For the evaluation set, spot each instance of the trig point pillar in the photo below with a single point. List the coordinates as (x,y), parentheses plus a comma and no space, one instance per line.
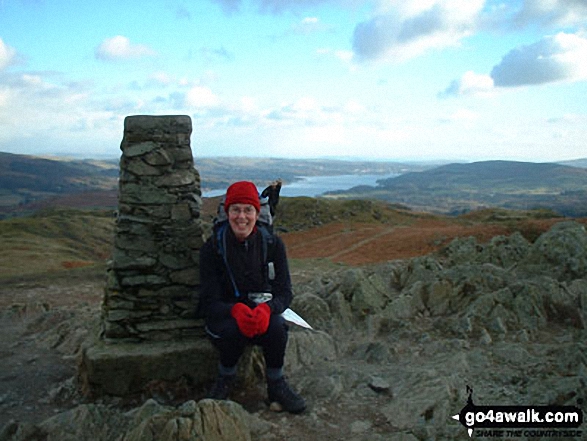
(149,330)
(152,285)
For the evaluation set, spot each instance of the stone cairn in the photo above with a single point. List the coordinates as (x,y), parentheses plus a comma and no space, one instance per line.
(153,278)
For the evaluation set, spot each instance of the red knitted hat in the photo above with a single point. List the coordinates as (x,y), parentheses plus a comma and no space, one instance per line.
(243,192)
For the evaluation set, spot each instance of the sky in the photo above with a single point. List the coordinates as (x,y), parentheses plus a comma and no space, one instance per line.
(392,80)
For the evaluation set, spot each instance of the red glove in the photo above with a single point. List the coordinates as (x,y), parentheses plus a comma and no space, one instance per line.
(245,321)
(262,314)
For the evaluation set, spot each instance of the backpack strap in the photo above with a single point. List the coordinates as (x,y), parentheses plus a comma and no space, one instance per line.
(264,226)
(268,252)
(220,237)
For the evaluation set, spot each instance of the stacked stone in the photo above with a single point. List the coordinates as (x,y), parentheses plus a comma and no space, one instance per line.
(153,279)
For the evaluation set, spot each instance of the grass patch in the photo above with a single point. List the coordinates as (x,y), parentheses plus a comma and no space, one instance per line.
(302,213)
(55,240)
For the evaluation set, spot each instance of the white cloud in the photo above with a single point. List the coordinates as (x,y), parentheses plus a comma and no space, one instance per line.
(307,26)
(162,78)
(248,104)
(7,55)
(346,56)
(407,29)
(562,57)
(470,84)
(305,111)
(354,107)
(213,54)
(272,6)
(305,104)
(201,97)
(4,97)
(552,12)
(326,134)
(466,115)
(569,118)
(52,116)
(120,48)
(341,55)
(310,25)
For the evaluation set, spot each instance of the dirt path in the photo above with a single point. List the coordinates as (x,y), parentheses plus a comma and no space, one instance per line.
(41,328)
(353,248)
(30,374)
(358,244)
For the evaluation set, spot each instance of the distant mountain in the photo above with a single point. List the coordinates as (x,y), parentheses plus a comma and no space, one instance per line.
(457,188)
(28,179)
(54,175)
(576,163)
(28,182)
(506,176)
(219,172)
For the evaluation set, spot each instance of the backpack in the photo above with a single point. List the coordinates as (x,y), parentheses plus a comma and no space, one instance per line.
(264,227)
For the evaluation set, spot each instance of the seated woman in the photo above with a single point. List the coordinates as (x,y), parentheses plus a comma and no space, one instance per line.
(233,273)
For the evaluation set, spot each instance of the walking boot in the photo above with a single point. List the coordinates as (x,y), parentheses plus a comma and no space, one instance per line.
(280,392)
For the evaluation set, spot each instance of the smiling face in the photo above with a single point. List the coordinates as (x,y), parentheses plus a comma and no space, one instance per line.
(242,219)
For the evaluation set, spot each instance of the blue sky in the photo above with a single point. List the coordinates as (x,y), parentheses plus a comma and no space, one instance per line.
(381,79)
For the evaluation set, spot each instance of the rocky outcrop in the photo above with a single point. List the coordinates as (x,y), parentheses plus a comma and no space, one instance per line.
(506,317)
(395,347)
(507,287)
(208,419)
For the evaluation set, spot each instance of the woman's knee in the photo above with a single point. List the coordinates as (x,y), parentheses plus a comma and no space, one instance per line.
(225,329)
(277,332)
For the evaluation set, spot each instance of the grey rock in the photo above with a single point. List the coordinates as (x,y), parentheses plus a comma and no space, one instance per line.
(208,419)
(142,280)
(380,385)
(505,251)
(138,149)
(137,166)
(102,422)
(188,276)
(123,368)
(561,253)
(149,125)
(158,158)
(306,348)
(178,178)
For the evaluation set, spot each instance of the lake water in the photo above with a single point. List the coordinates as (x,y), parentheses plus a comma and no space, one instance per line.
(313,186)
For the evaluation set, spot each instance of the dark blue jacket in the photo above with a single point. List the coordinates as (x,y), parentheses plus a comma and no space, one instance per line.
(245,259)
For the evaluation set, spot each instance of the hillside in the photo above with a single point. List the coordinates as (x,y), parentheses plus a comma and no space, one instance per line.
(320,231)
(29,183)
(458,188)
(52,241)
(54,175)
(27,180)
(576,163)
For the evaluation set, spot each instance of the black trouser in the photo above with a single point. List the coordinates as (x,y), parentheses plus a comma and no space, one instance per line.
(231,342)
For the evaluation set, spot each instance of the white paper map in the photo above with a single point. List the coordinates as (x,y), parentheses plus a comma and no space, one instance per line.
(292,317)
(288,314)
